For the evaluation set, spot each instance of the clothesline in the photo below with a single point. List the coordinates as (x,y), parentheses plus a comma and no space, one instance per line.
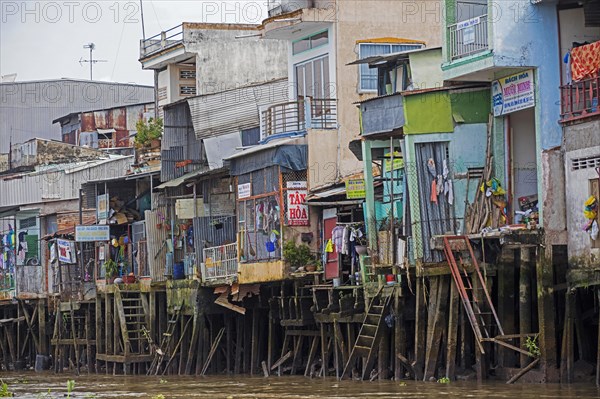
(349,224)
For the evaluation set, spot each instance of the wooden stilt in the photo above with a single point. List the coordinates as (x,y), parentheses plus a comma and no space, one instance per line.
(238,344)
(452,333)
(438,302)
(525,298)
(420,329)
(254,348)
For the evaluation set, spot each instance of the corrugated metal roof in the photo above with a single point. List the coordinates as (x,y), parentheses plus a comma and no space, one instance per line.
(58,182)
(237,109)
(28,109)
(272,144)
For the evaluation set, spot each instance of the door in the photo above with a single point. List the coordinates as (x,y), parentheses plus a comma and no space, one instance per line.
(332,269)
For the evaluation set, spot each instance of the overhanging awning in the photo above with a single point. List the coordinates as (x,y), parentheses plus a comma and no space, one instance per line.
(327,197)
(190,176)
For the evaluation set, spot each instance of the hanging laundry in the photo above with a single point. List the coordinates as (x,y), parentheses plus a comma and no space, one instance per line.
(345,239)
(329,246)
(449,191)
(445,170)
(433,196)
(431,167)
(439,184)
(337,235)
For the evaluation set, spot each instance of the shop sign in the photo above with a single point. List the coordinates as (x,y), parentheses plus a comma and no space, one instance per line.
(92,233)
(66,251)
(513,93)
(398,161)
(244,190)
(297,210)
(355,189)
(102,210)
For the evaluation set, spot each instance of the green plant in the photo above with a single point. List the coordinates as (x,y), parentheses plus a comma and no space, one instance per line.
(70,387)
(110,268)
(4,392)
(148,131)
(444,380)
(297,255)
(532,346)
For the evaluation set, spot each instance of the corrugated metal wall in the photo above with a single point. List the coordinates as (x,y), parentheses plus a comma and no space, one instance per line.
(27,109)
(436,218)
(179,143)
(212,232)
(237,109)
(155,241)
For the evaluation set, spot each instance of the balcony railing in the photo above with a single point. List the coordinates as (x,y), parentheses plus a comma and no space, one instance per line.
(580,99)
(293,116)
(161,41)
(468,37)
(220,263)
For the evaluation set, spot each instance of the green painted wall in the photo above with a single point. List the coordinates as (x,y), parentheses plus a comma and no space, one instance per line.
(471,106)
(428,113)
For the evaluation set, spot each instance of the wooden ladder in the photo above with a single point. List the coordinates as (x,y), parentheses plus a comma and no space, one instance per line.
(475,296)
(163,349)
(132,314)
(368,338)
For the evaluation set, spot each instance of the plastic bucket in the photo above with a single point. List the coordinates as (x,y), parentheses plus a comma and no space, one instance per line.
(390,279)
(41,363)
(178,271)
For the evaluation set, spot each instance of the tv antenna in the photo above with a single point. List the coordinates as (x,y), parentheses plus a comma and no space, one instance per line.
(92,61)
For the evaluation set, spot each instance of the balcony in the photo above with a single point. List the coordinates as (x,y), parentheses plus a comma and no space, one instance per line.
(162,41)
(220,264)
(579,99)
(297,116)
(468,37)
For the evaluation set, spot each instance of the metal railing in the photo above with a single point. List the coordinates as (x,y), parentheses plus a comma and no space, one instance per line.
(468,37)
(220,263)
(291,116)
(580,99)
(162,40)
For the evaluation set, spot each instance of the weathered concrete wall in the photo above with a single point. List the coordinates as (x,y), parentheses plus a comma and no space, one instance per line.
(47,152)
(581,141)
(224,62)
(360,20)
(262,272)
(555,216)
(322,155)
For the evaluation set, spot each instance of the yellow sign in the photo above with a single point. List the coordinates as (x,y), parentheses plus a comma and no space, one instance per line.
(398,161)
(355,189)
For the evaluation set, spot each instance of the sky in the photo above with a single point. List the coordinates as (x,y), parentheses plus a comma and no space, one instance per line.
(44,39)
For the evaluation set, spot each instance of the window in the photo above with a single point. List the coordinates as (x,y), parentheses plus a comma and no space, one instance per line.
(368,76)
(312,79)
(187,74)
(187,90)
(28,223)
(310,42)
(250,136)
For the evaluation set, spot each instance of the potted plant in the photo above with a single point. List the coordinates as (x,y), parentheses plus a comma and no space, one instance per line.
(361,245)
(297,255)
(110,270)
(148,133)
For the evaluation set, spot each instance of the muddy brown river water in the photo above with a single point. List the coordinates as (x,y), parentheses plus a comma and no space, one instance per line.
(31,385)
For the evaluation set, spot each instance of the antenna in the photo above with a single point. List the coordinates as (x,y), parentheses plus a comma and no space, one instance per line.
(92,61)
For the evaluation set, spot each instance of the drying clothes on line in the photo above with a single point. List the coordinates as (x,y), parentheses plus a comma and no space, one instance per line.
(354,234)
(440,185)
(585,61)
(337,236)
(431,167)
(345,239)
(445,170)
(433,196)
(449,191)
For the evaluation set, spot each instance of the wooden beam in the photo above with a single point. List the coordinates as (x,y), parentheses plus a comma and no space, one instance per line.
(282,360)
(523,371)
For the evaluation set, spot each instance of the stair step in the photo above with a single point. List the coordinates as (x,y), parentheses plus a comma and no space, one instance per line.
(133,307)
(362,350)
(134,314)
(369,329)
(365,341)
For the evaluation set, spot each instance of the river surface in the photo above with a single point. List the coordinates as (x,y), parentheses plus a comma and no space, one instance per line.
(31,385)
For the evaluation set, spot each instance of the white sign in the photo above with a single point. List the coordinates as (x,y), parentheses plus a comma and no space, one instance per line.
(467,24)
(244,190)
(468,30)
(66,251)
(296,184)
(297,210)
(92,233)
(513,93)
(102,203)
